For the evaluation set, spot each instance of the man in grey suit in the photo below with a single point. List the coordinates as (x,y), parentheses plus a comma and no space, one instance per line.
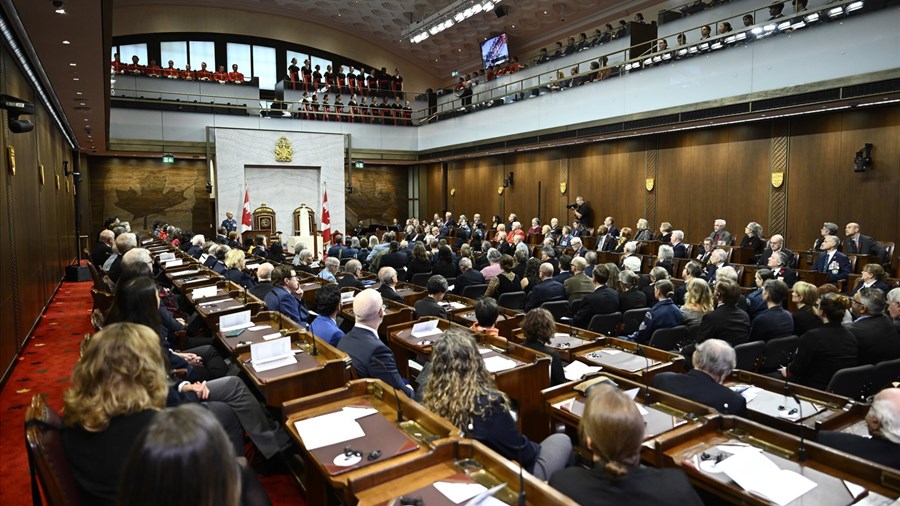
(371,358)
(720,236)
(579,285)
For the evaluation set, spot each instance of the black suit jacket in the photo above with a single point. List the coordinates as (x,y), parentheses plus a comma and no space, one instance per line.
(603,300)
(429,307)
(878,450)
(372,358)
(397,260)
(700,387)
(642,485)
(725,322)
(788,275)
(101,252)
(867,246)
(390,293)
(771,323)
(349,280)
(764,258)
(468,278)
(821,353)
(876,339)
(606,243)
(680,250)
(805,320)
(633,299)
(545,291)
(881,285)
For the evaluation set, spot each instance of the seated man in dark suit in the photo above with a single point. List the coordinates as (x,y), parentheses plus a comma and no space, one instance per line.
(395,257)
(778,263)
(691,270)
(605,240)
(859,244)
(565,269)
(124,242)
(264,286)
(388,290)
(196,248)
(726,321)
(430,305)
(371,358)
(776,243)
(831,261)
(603,300)
(219,260)
(679,248)
(352,269)
(717,259)
(467,276)
(883,421)
(713,361)
(774,321)
(286,296)
(876,338)
(547,290)
(103,248)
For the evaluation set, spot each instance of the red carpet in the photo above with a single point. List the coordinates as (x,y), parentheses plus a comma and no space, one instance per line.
(44,368)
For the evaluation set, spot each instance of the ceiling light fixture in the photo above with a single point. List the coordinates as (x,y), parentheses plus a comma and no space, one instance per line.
(457,12)
(65,42)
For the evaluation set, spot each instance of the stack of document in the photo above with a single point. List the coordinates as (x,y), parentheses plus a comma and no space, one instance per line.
(333,428)
(758,475)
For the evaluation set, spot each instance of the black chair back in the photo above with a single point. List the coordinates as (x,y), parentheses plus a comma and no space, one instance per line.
(474,291)
(886,374)
(779,352)
(852,381)
(749,355)
(632,319)
(668,339)
(512,300)
(420,279)
(558,308)
(606,324)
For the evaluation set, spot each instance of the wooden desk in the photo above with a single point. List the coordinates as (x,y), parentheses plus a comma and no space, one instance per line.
(309,284)
(826,408)
(411,293)
(522,383)
(394,314)
(507,322)
(275,321)
(464,460)
(665,412)
(210,311)
(328,369)
(423,428)
(825,466)
(567,340)
(187,282)
(632,365)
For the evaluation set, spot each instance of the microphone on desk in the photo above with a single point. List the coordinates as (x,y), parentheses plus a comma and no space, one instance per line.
(396,395)
(801,452)
(640,351)
(314,350)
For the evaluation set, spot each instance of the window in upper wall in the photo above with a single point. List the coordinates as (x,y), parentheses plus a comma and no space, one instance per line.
(238,54)
(126,51)
(175,51)
(202,51)
(264,67)
(293,54)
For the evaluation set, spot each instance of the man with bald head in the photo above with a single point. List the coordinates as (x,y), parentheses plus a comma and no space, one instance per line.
(547,290)
(776,243)
(371,358)
(264,273)
(883,422)
(859,244)
(103,248)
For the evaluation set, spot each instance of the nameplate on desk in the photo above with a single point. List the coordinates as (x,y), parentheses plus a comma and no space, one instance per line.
(188,272)
(425,329)
(268,355)
(235,321)
(332,428)
(167,257)
(206,291)
(174,263)
(346,297)
(259,327)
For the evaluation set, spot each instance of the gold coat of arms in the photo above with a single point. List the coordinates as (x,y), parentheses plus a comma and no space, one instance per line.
(562,187)
(649,183)
(284,151)
(777,179)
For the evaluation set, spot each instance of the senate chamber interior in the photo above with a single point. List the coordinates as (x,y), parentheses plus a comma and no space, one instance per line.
(450,252)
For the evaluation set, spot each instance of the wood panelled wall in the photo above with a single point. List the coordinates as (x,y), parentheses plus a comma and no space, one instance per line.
(144,190)
(379,195)
(699,176)
(36,217)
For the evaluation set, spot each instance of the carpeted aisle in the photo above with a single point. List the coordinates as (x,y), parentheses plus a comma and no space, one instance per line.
(44,368)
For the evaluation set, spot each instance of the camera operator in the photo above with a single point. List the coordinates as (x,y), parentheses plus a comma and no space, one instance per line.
(582,211)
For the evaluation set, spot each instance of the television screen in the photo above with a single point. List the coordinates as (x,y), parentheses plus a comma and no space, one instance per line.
(494,51)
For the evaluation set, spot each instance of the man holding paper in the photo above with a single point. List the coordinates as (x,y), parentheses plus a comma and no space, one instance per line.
(286,296)
(371,357)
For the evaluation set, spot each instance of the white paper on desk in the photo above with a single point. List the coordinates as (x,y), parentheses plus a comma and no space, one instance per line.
(855,490)
(329,429)
(357,412)
(205,291)
(576,370)
(610,351)
(456,305)
(346,297)
(181,274)
(757,474)
(458,492)
(268,355)
(174,263)
(749,393)
(269,337)
(498,363)
(425,329)
(451,288)
(203,258)
(235,321)
(165,257)
(484,351)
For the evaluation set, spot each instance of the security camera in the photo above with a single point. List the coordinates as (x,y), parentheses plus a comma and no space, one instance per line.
(17,107)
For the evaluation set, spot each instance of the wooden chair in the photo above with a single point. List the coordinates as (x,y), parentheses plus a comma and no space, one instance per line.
(851,381)
(606,324)
(51,475)
(103,300)
(749,355)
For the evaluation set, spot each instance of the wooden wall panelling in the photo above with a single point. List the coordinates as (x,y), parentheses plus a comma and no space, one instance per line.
(475,182)
(536,178)
(609,176)
(747,161)
(143,190)
(48,201)
(432,197)
(380,194)
(8,313)
(678,179)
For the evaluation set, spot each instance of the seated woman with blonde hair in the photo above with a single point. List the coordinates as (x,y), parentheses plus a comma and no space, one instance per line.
(613,429)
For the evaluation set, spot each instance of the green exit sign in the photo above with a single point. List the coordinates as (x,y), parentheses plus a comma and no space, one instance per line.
(168,158)
(358,165)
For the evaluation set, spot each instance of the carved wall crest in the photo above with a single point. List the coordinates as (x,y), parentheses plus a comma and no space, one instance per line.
(284,151)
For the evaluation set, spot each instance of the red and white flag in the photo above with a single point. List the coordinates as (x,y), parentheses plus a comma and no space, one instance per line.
(246,216)
(326,224)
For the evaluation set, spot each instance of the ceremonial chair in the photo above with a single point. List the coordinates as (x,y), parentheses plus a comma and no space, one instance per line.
(51,476)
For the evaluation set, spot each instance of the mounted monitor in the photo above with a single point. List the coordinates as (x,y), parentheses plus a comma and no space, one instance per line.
(494,51)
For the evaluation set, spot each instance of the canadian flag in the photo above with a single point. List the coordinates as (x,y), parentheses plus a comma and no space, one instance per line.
(246,220)
(326,224)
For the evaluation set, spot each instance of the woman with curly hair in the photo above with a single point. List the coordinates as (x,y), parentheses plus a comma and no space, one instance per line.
(460,389)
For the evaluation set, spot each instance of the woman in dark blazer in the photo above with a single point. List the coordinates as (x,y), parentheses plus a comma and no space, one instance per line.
(805,296)
(825,350)
(613,430)
(752,238)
